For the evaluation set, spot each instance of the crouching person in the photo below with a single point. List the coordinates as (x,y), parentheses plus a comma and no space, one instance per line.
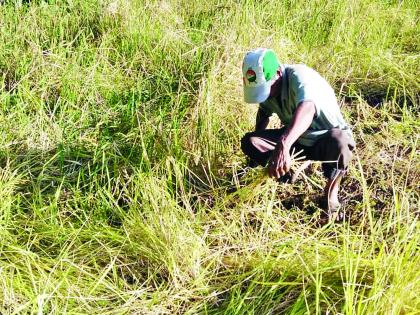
(308,109)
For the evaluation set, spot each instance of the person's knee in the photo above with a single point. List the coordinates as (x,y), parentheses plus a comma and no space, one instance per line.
(344,145)
(246,143)
(341,139)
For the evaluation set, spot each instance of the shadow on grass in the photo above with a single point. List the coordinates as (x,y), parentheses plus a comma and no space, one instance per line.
(376,94)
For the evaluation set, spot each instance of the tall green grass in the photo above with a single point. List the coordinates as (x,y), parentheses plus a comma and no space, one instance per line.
(120,124)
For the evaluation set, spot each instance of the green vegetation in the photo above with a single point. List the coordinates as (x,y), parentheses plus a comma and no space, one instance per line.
(120,125)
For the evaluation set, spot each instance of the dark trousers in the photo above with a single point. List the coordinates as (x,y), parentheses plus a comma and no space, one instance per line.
(336,145)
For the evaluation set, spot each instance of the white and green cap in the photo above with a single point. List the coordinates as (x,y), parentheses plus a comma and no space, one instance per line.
(259,71)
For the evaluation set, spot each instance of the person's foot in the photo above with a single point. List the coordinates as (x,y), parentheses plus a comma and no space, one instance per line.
(330,211)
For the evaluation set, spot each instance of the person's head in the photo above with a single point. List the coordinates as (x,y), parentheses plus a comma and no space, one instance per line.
(260,70)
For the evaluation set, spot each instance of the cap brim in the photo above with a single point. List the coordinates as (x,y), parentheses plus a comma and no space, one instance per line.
(257,94)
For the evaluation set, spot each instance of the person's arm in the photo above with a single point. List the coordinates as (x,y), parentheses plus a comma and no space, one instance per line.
(280,161)
(262,120)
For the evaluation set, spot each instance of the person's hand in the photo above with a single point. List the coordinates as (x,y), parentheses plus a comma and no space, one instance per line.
(280,161)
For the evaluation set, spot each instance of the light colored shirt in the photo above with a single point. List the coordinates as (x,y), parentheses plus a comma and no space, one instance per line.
(300,83)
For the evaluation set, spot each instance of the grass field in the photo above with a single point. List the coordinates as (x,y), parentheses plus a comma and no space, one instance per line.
(120,125)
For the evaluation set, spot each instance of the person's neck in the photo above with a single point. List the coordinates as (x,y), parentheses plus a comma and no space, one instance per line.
(276,87)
